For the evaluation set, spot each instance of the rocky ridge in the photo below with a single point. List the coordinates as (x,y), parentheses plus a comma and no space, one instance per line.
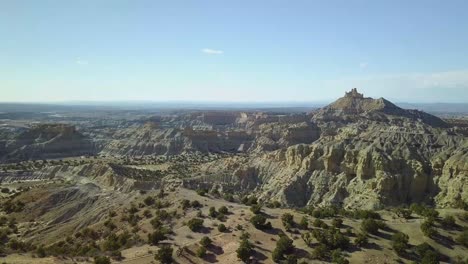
(370,154)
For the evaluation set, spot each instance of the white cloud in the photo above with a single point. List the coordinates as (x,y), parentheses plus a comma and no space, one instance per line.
(81,61)
(363,65)
(212,51)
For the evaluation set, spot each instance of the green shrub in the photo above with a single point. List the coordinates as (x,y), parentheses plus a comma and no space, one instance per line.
(185,204)
(195,224)
(101,260)
(245,250)
(284,246)
(288,220)
(400,242)
(259,222)
(319,223)
(196,204)
(370,225)
(222,228)
(337,222)
(40,252)
(427,229)
(201,252)
(205,241)
(462,238)
(157,236)
(361,240)
(304,223)
(228,197)
(320,252)
(365,214)
(256,208)
(427,254)
(212,212)
(249,200)
(448,221)
(149,200)
(223,210)
(337,257)
(202,192)
(164,254)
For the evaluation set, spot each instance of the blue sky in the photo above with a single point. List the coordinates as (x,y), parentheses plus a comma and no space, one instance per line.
(407,51)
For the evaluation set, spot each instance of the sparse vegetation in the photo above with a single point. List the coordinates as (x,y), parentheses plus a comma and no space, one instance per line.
(288,220)
(222,228)
(256,208)
(245,249)
(260,222)
(205,241)
(462,238)
(284,246)
(201,252)
(400,242)
(195,224)
(164,254)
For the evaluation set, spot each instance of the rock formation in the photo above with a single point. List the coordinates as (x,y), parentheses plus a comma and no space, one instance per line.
(370,154)
(47,141)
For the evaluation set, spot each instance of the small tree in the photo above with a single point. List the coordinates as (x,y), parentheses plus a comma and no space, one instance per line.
(304,223)
(223,210)
(212,212)
(337,257)
(361,240)
(101,260)
(288,220)
(256,208)
(185,204)
(201,252)
(202,192)
(164,254)
(427,254)
(284,246)
(448,221)
(157,236)
(400,242)
(319,223)
(205,241)
(195,224)
(149,201)
(462,238)
(222,228)
(427,229)
(370,226)
(337,222)
(245,250)
(320,252)
(259,221)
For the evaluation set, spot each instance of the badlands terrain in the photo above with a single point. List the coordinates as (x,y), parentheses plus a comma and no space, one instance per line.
(360,180)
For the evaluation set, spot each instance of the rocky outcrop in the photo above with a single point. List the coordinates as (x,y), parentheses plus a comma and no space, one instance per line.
(354,106)
(370,154)
(48,141)
(207,132)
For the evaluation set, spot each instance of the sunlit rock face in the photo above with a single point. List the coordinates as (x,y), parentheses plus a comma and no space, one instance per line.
(368,153)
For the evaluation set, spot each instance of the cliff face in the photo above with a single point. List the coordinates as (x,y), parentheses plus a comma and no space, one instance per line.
(213,132)
(370,154)
(48,141)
